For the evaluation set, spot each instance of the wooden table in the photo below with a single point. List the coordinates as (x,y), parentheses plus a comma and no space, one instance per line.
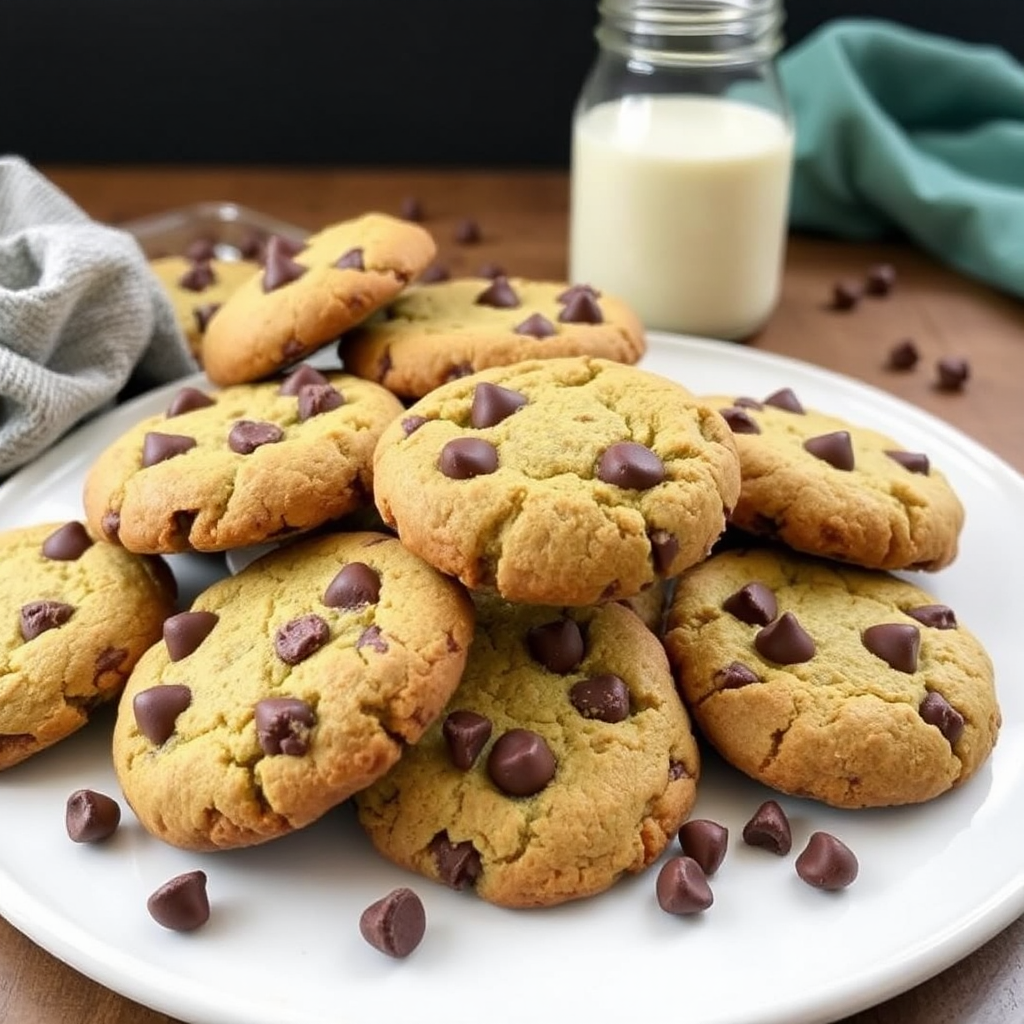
(523,217)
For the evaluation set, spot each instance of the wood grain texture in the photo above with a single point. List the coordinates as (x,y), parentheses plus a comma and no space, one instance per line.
(523,217)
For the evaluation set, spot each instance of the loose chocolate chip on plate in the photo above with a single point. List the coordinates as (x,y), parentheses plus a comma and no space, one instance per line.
(682,887)
(158,447)
(279,267)
(466,733)
(91,817)
(937,711)
(769,829)
(903,355)
(631,466)
(835,448)
(915,462)
(846,294)
(188,400)
(316,399)
(157,709)
(785,641)
(735,675)
(880,279)
(299,378)
(753,604)
(664,548)
(184,632)
(706,842)
(411,209)
(952,374)
(283,725)
(434,273)
(198,277)
(182,903)
(41,616)
(827,863)
(355,586)
(785,398)
(557,645)
(351,260)
(297,640)
(466,457)
(521,762)
(740,421)
(536,325)
(67,543)
(493,403)
(896,643)
(937,616)
(467,232)
(581,308)
(396,924)
(499,294)
(458,864)
(248,435)
(604,697)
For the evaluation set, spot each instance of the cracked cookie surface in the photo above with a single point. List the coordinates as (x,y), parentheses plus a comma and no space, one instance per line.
(304,299)
(286,688)
(257,463)
(76,616)
(849,686)
(437,332)
(560,481)
(565,759)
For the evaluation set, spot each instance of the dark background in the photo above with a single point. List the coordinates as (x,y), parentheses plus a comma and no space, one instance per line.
(410,82)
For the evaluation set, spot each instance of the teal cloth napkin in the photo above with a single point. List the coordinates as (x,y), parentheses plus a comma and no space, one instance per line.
(902,130)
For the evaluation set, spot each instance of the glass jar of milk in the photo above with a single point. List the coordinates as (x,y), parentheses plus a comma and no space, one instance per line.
(681,158)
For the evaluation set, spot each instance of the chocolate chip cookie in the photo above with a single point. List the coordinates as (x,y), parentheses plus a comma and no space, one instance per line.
(564,760)
(240,466)
(558,481)
(286,688)
(829,488)
(435,333)
(827,681)
(307,295)
(76,616)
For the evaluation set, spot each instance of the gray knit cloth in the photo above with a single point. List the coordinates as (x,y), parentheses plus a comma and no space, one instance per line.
(80,312)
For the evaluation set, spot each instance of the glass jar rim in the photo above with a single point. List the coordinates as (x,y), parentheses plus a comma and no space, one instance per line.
(686,17)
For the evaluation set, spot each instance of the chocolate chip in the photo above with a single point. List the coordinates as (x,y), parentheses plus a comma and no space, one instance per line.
(467,232)
(297,640)
(937,711)
(351,260)
(846,294)
(466,457)
(492,404)
(200,249)
(677,770)
(896,643)
(316,399)
(521,762)
(181,904)
(371,637)
(903,355)
(744,402)
(785,398)
(536,325)
(557,645)
(156,710)
(735,675)
(664,549)
(769,829)
(573,290)
(937,616)
(458,864)
(41,616)
(785,641)
(395,924)
(835,448)
(279,267)
(682,887)
(753,604)
(410,424)
(91,817)
(283,725)
(581,308)
(827,863)
(706,842)
(157,447)
(355,586)
(250,245)
(604,697)
(466,734)
(880,279)
(952,374)
(187,400)
(198,277)
(434,273)
(248,435)
(916,462)
(184,632)
(499,294)
(411,209)
(491,271)
(111,525)
(67,543)
(740,421)
(202,315)
(630,466)
(299,378)
(459,370)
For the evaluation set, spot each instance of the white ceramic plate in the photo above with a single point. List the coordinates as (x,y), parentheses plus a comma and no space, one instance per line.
(283,943)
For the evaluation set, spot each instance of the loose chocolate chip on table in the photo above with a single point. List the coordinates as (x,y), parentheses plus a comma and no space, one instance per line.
(299,378)
(835,448)
(952,374)
(182,903)
(915,462)
(434,273)
(411,209)
(577,289)
(458,864)
(846,294)
(903,355)
(187,400)
(880,279)
(467,232)
(316,399)
(202,315)
(184,632)
(410,424)
(937,616)
(581,308)
(493,403)
(91,817)
(682,887)
(41,616)
(355,586)
(283,725)
(735,675)
(279,267)
(67,543)
(706,842)
(198,277)
(395,924)
(896,643)
(785,641)
(631,466)
(466,457)
(248,435)
(466,733)
(604,697)
(521,762)
(785,398)
(157,709)
(158,447)
(351,260)
(769,829)
(499,294)
(753,604)
(740,421)
(664,548)
(937,711)
(536,325)
(557,645)
(297,640)
(827,863)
